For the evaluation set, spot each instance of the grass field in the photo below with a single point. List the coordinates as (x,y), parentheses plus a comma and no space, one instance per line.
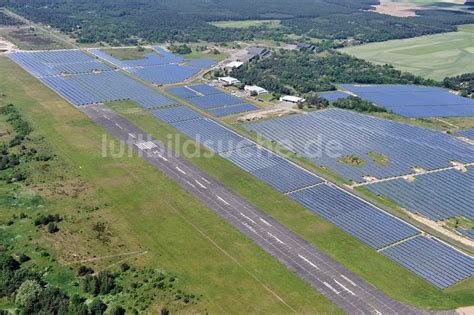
(247,24)
(128,53)
(378,270)
(144,211)
(432,56)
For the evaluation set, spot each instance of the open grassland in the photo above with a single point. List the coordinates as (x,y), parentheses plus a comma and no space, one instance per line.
(372,266)
(129,53)
(433,56)
(247,23)
(143,211)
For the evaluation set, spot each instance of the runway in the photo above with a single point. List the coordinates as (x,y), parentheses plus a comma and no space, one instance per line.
(351,293)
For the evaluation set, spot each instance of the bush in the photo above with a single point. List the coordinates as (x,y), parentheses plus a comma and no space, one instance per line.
(52,227)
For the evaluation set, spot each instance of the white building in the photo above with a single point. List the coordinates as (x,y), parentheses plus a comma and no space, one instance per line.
(226,81)
(292,99)
(233,65)
(255,89)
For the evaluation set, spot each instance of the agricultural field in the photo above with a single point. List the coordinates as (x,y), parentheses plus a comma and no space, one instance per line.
(179,235)
(30,39)
(247,24)
(433,56)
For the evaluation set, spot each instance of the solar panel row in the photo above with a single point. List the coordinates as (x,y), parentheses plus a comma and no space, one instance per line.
(232,110)
(438,196)
(468,233)
(415,101)
(334,96)
(432,260)
(468,133)
(57,62)
(386,148)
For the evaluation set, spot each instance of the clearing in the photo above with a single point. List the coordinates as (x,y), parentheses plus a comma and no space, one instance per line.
(433,56)
(247,24)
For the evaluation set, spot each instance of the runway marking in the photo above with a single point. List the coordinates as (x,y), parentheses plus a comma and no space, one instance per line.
(249,227)
(348,280)
(218,197)
(95,109)
(180,170)
(248,218)
(200,185)
(190,184)
(276,238)
(205,180)
(118,126)
(308,261)
(133,136)
(265,222)
(341,285)
(330,287)
(376,310)
(162,157)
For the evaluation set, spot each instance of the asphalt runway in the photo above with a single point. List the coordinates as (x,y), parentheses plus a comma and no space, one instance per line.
(351,293)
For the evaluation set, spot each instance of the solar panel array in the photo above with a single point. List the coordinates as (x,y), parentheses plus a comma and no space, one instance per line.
(176,114)
(263,164)
(359,218)
(334,96)
(326,136)
(83,84)
(165,74)
(57,62)
(432,260)
(438,196)
(272,169)
(212,99)
(468,233)
(468,133)
(165,68)
(415,101)
(232,110)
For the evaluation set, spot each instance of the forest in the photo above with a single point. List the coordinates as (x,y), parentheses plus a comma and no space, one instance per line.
(126,22)
(286,72)
(366,27)
(8,20)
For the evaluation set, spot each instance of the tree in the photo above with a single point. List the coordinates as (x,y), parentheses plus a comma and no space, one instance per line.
(97,307)
(52,227)
(28,291)
(117,310)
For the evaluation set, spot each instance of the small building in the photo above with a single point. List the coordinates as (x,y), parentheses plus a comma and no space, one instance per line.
(233,65)
(227,81)
(306,47)
(254,52)
(292,99)
(255,89)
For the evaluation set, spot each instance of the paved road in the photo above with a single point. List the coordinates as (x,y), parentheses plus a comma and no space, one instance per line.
(344,288)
